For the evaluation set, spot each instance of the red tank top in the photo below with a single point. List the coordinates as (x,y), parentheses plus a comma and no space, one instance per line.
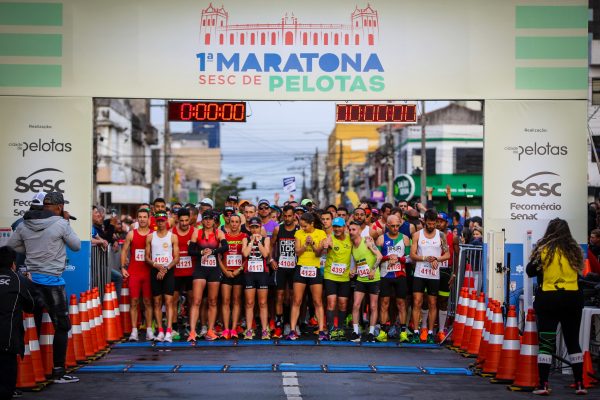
(209,241)
(232,258)
(185,266)
(137,260)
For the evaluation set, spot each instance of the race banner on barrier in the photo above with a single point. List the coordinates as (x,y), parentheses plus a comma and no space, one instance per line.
(46,145)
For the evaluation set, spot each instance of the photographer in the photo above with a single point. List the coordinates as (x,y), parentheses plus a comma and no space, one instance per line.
(43,237)
(14,299)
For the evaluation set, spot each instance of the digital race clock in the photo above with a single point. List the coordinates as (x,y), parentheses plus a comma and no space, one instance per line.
(376,113)
(213,111)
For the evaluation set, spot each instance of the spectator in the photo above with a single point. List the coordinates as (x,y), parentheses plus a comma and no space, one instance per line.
(594,251)
(43,237)
(14,299)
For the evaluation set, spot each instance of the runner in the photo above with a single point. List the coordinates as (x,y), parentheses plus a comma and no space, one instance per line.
(360,217)
(227,213)
(256,249)
(138,273)
(308,250)
(158,205)
(162,253)
(394,247)
(283,254)
(367,258)
(185,267)
(428,250)
(378,228)
(447,275)
(342,212)
(206,244)
(337,277)
(264,212)
(231,263)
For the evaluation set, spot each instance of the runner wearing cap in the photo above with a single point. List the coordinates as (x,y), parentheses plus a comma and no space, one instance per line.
(256,249)
(283,255)
(185,267)
(158,205)
(205,204)
(366,259)
(395,248)
(250,212)
(162,253)
(232,267)
(308,249)
(447,275)
(428,250)
(337,277)
(308,204)
(264,212)
(138,273)
(228,212)
(206,244)
(231,201)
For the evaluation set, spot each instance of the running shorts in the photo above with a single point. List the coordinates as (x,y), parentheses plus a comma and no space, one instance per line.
(183,284)
(318,280)
(164,286)
(139,284)
(445,274)
(284,277)
(209,274)
(367,287)
(257,280)
(395,286)
(335,288)
(432,286)
(237,280)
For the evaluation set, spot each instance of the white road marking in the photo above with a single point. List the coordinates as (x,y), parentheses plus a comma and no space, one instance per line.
(291,386)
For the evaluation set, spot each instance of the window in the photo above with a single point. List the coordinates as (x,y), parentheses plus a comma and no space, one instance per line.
(430,153)
(468,160)
(305,38)
(263,38)
(289,38)
(273,38)
(356,40)
(346,39)
(242,37)
(203,22)
(371,39)
(336,39)
(597,146)
(207,38)
(221,39)
(315,38)
(252,38)
(231,38)
(596,91)
(326,39)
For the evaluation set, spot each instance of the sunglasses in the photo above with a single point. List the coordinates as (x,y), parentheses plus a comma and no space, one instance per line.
(264,208)
(394,226)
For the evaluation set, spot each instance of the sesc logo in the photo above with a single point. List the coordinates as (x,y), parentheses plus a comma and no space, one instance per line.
(38,181)
(538,184)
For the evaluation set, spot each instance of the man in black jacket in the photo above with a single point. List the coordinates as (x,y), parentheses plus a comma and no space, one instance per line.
(14,299)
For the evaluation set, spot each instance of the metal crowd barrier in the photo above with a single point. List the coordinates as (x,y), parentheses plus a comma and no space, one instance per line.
(100,269)
(472,255)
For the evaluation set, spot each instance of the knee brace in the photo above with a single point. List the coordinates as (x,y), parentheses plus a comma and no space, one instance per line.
(547,347)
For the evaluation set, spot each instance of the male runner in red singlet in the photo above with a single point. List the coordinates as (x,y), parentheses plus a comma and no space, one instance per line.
(185,267)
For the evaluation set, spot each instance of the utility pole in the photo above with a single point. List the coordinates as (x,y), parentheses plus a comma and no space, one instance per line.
(167,157)
(390,163)
(423,156)
(341,167)
(315,176)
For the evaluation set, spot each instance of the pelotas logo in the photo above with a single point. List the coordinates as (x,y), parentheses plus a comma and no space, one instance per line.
(321,57)
(43,146)
(538,149)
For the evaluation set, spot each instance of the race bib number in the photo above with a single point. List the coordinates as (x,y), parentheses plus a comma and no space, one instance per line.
(338,268)
(287,262)
(443,264)
(394,267)
(163,259)
(184,262)
(234,260)
(140,254)
(308,272)
(208,261)
(323,260)
(425,270)
(363,270)
(256,266)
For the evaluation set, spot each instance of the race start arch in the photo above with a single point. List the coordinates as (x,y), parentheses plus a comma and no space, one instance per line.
(526,59)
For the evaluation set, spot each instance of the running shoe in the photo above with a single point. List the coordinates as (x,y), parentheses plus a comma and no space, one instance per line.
(169,337)
(265,335)
(369,338)
(393,332)
(226,334)
(415,339)
(150,334)
(203,331)
(580,389)
(286,329)
(382,337)
(192,337)
(403,337)
(239,330)
(249,335)
(218,329)
(430,339)
(333,335)
(312,322)
(234,334)
(176,335)
(211,335)
(348,321)
(341,335)
(354,337)
(293,335)
(441,336)
(323,336)
(134,335)
(271,324)
(542,390)
(161,336)
(59,376)
(277,333)
(423,335)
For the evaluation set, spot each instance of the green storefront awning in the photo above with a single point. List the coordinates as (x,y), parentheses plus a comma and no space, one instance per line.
(474,185)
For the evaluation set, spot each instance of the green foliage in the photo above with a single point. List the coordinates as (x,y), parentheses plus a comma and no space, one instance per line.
(220,191)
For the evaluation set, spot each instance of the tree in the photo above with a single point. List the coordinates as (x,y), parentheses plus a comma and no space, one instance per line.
(221,190)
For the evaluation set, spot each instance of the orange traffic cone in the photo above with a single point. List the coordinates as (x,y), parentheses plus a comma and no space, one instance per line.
(477,329)
(76,329)
(461,317)
(115,300)
(469,323)
(31,337)
(88,343)
(94,322)
(485,337)
(25,374)
(124,308)
(494,346)
(511,347)
(99,319)
(469,279)
(70,360)
(526,375)
(47,343)
(588,369)
(108,315)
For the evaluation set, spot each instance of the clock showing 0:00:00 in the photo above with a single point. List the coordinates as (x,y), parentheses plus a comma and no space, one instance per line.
(207,111)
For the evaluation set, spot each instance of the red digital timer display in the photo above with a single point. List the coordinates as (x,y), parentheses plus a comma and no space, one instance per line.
(376,113)
(207,111)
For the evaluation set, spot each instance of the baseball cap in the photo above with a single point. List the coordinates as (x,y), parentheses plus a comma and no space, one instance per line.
(306,202)
(38,199)
(232,197)
(442,215)
(54,198)
(338,221)
(228,209)
(161,216)
(207,202)
(375,211)
(264,201)
(299,208)
(254,221)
